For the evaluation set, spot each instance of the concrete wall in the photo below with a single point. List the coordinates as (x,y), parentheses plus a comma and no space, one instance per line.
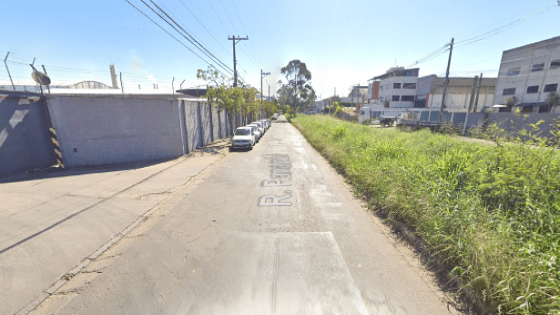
(512,123)
(97,130)
(25,141)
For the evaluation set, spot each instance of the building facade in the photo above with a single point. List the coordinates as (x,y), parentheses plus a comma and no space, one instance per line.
(373,91)
(529,75)
(397,87)
(429,93)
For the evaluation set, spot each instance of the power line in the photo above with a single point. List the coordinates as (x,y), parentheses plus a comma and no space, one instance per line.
(229,18)
(503,28)
(243,26)
(189,37)
(168,33)
(219,43)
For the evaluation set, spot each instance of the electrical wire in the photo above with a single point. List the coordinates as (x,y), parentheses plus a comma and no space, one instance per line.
(168,33)
(189,37)
(186,7)
(503,28)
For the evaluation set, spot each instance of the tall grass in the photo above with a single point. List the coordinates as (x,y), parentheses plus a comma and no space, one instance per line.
(489,215)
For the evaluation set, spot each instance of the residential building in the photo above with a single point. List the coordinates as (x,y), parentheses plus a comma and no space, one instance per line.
(397,87)
(528,75)
(429,93)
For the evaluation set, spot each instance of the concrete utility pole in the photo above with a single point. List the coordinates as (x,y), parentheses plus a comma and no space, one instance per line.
(477,92)
(446,82)
(235,41)
(113,76)
(262,75)
(473,92)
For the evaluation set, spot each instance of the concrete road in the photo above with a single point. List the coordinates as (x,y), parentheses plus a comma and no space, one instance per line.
(269,231)
(53,223)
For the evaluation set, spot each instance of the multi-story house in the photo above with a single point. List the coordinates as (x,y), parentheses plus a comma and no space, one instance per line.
(397,87)
(529,75)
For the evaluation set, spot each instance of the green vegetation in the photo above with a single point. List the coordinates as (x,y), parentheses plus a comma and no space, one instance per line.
(488,215)
(234,100)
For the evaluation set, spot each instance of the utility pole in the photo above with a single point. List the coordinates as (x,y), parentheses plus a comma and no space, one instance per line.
(235,41)
(477,92)
(473,92)
(446,82)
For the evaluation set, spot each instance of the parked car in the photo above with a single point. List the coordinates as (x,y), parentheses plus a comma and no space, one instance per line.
(275,116)
(256,130)
(244,137)
(261,126)
(265,124)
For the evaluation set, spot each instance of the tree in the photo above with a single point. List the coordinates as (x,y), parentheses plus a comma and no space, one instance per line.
(219,94)
(553,100)
(249,106)
(297,89)
(386,104)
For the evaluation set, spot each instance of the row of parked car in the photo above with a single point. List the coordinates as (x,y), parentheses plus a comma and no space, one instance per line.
(246,137)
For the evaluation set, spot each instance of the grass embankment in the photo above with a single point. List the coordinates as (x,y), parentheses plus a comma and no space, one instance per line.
(489,216)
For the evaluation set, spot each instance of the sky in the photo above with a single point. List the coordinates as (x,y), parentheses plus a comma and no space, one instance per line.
(343,43)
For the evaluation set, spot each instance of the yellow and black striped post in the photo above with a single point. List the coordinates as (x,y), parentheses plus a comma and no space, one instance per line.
(56,147)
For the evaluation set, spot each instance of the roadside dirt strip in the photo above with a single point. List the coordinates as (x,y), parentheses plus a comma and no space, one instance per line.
(274,230)
(57,224)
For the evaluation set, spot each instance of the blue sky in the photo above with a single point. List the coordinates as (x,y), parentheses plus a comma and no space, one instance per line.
(342,42)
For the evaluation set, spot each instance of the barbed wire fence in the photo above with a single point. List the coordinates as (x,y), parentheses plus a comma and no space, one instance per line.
(16,76)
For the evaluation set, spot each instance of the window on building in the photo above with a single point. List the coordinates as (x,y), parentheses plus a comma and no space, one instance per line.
(527,109)
(381,99)
(538,67)
(510,91)
(396,85)
(396,98)
(532,89)
(381,88)
(555,64)
(411,86)
(544,108)
(407,98)
(550,87)
(504,109)
(513,71)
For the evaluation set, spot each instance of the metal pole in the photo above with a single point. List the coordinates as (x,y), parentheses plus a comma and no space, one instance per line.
(172,86)
(446,83)
(181,85)
(7,69)
(122,86)
(45,70)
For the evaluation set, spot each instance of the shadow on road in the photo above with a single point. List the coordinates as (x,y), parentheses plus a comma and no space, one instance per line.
(54,172)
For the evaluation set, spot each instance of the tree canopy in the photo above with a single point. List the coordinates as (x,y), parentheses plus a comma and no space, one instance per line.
(296,90)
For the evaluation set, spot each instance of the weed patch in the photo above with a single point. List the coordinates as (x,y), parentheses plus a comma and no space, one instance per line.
(489,215)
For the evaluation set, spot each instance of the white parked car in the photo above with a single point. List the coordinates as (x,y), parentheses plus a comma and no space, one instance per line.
(261,126)
(265,123)
(256,130)
(244,137)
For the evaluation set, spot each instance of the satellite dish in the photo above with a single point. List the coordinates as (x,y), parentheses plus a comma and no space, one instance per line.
(40,77)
